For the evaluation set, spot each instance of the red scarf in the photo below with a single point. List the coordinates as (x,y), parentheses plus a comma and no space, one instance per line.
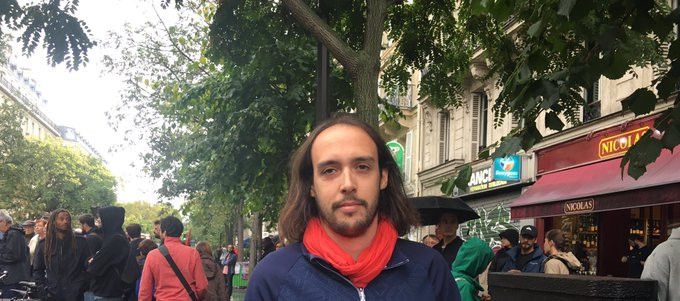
(371,261)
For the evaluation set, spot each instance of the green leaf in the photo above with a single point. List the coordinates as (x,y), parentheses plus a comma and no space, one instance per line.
(671,137)
(666,86)
(508,146)
(674,50)
(463,177)
(642,101)
(447,186)
(535,29)
(618,65)
(553,121)
(565,7)
(483,155)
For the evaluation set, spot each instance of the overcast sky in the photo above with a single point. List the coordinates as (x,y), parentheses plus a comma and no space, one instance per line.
(80,99)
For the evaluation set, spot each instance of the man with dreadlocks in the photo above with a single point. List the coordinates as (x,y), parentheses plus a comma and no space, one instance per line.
(60,260)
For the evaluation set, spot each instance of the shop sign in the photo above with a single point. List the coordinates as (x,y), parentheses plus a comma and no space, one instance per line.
(397,151)
(508,168)
(619,144)
(483,179)
(579,206)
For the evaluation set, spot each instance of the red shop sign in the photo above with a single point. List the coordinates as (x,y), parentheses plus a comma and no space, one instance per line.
(619,144)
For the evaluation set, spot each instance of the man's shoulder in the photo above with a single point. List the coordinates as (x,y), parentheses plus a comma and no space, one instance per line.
(417,251)
(275,266)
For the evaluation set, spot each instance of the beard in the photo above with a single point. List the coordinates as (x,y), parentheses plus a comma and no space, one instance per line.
(350,226)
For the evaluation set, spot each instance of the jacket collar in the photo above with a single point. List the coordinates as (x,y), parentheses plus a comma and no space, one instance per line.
(398,257)
(515,252)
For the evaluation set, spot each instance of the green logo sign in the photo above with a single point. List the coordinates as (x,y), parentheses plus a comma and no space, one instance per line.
(397,153)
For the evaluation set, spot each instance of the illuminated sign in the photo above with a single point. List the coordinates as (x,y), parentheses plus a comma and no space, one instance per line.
(483,179)
(619,144)
(508,168)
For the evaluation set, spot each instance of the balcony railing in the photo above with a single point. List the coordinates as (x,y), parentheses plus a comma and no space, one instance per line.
(21,97)
(403,101)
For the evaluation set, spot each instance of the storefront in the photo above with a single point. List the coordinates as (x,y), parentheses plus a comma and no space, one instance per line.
(581,190)
(492,187)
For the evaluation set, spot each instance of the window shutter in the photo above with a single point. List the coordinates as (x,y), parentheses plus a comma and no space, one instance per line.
(443,136)
(474,142)
(408,153)
(514,121)
(596,91)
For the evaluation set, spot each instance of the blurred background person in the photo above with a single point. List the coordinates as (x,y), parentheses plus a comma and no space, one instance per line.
(216,290)
(430,240)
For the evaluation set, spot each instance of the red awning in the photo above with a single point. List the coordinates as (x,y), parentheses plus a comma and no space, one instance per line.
(599,181)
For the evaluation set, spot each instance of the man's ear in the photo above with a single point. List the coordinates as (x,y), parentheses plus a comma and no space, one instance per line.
(384,178)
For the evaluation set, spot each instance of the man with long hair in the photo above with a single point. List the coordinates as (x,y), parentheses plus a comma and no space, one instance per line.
(60,260)
(345,210)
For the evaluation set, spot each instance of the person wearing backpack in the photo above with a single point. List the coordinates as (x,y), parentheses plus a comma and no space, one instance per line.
(560,261)
(108,265)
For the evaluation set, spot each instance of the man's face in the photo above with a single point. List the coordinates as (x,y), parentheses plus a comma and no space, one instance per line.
(448,224)
(29,230)
(157,231)
(4,226)
(40,229)
(63,222)
(430,242)
(230,248)
(505,243)
(527,242)
(347,179)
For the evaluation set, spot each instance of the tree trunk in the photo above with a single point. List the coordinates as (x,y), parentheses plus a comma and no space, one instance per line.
(239,231)
(365,84)
(255,240)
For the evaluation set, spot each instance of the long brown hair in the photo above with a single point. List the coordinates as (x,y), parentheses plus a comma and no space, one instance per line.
(558,237)
(300,207)
(51,236)
(203,248)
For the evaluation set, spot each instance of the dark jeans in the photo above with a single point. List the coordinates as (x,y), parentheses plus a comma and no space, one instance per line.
(229,278)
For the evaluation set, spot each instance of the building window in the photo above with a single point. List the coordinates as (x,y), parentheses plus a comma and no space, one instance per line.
(480,120)
(444,128)
(592,109)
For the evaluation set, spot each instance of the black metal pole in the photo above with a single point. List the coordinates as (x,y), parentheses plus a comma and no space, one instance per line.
(323,107)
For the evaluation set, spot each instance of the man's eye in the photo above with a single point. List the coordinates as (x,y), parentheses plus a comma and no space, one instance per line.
(328,171)
(363,167)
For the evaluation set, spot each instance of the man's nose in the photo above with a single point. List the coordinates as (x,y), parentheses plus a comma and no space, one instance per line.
(348,182)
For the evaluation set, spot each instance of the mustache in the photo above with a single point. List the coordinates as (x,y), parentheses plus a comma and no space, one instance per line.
(350,199)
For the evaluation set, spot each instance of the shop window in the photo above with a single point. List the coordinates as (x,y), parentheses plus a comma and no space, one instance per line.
(444,130)
(582,231)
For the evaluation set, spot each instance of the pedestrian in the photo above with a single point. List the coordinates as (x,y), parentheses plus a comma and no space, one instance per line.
(40,233)
(87,225)
(229,269)
(29,230)
(509,239)
(108,265)
(343,216)
(474,256)
(450,243)
(60,260)
(663,265)
(267,247)
(157,230)
(637,255)
(216,290)
(185,281)
(145,246)
(14,257)
(430,240)
(560,260)
(528,257)
(134,234)
(279,245)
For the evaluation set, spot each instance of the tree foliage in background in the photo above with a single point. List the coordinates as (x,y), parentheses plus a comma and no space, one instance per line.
(38,176)
(221,124)
(562,47)
(145,213)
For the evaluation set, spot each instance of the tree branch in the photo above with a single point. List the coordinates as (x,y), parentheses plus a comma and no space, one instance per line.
(376,10)
(319,29)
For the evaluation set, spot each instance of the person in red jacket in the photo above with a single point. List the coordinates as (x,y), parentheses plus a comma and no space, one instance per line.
(158,278)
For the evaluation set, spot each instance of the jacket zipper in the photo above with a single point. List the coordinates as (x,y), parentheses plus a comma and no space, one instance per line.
(360,290)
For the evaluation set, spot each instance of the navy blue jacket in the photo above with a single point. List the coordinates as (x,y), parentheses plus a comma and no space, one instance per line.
(415,272)
(535,265)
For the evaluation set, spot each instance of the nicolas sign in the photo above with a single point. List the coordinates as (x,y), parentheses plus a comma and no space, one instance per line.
(579,206)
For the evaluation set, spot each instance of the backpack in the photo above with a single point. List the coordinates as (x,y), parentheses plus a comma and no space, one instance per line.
(573,270)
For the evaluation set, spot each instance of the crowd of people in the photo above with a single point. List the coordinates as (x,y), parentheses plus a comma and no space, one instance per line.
(100,261)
